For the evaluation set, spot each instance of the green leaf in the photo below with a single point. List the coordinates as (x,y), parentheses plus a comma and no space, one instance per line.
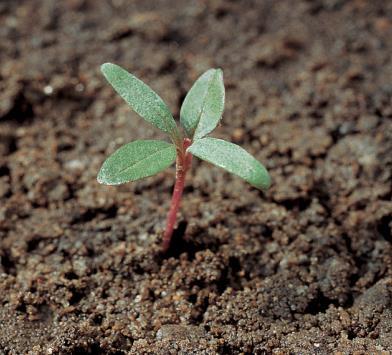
(232,158)
(203,105)
(141,98)
(136,160)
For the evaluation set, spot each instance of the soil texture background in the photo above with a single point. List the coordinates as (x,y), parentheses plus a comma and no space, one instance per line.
(304,268)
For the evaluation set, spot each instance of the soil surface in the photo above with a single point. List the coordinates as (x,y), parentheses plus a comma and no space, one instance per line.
(303,268)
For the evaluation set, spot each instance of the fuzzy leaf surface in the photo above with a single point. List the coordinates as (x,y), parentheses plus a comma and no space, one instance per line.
(140,97)
(232,158)
(136,160)
(203,105)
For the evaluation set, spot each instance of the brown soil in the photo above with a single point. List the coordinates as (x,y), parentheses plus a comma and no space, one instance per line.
(305,268)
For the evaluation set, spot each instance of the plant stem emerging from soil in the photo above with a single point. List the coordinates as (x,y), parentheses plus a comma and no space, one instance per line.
(183,163)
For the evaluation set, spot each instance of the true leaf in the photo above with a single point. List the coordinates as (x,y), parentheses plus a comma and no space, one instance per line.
(136,160)
(232,158)
(141,98)
(203,105)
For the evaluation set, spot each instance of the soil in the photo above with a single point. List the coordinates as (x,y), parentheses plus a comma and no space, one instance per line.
(304,268)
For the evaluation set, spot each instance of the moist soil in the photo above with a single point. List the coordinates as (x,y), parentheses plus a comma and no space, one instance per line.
(304,268)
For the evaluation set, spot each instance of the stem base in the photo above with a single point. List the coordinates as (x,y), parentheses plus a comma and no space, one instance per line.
(183,163)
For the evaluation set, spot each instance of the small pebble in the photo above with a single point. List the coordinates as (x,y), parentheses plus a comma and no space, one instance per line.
(48,90)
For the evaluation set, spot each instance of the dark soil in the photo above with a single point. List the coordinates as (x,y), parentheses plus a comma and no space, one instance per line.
(305,268)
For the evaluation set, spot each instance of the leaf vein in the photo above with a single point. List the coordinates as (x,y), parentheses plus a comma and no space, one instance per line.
(141,160)
(204,102)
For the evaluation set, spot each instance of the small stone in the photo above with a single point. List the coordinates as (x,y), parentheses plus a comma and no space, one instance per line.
(238,134)
(75,164)
(48,90)
(382,24)
(79,87)
(180,332)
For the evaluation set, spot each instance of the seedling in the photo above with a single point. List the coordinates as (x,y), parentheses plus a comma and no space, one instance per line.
(200,113)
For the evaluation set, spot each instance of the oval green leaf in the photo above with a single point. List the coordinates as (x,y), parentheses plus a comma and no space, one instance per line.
(203,105)
(141,98)
(136,160)
(232,158)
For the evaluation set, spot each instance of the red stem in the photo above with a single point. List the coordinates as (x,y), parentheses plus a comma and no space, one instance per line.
(183,163)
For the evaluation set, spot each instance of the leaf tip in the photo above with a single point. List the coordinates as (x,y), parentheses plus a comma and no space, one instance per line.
(215,71)
(262,180)
(105,67)
(265,184)
(103,177)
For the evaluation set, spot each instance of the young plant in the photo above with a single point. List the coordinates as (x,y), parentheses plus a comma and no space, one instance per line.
(200,113)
